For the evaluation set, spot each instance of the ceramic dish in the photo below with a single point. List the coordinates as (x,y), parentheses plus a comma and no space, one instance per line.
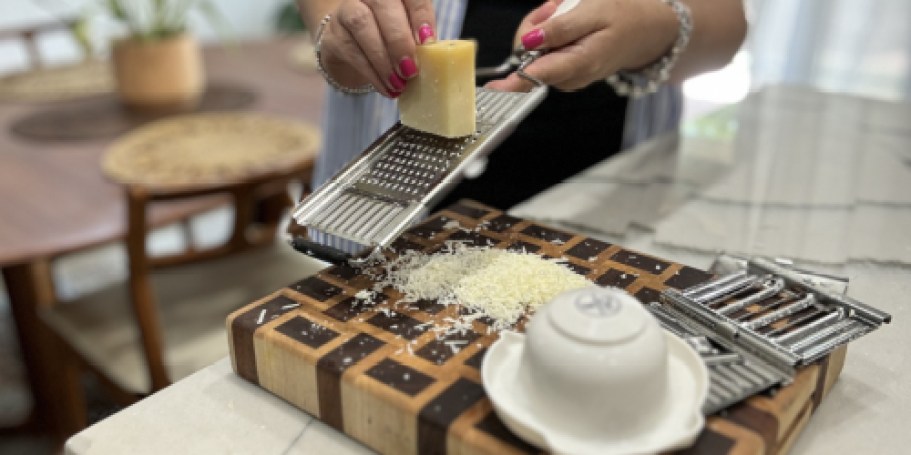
(681,423)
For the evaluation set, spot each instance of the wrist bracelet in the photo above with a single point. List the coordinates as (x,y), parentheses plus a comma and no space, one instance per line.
(364,89)
(647,80)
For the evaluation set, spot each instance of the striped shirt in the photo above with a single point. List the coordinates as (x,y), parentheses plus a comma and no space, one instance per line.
(352,123)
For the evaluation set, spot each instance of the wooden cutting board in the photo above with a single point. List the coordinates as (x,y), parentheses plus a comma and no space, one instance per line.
(349,365)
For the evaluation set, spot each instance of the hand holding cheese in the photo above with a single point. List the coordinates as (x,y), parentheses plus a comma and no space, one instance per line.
(370,41)
(441,99)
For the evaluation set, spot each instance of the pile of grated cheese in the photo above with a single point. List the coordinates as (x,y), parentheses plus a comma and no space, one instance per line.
(498,284)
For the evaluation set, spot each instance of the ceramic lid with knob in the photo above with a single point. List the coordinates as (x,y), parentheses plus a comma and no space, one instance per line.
(596,316)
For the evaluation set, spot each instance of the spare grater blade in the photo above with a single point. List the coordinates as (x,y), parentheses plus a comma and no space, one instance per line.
(393,184)
(761,321)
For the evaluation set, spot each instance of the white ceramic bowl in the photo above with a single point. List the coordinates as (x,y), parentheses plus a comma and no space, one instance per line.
(595,373)
(596,356)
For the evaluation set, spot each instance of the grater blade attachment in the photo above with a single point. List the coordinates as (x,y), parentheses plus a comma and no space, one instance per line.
(733,375)
(393,184)
(760,321)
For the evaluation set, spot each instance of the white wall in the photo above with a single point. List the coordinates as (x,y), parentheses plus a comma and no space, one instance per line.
(854,46)
(249,19)
(861,47)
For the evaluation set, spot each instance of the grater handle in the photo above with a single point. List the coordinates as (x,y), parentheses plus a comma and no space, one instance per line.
(520,58)
(530,56)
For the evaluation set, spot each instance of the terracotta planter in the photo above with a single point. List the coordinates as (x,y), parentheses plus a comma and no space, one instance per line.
(156,76)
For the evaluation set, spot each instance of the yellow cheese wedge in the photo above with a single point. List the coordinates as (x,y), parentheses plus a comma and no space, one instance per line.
(441,99)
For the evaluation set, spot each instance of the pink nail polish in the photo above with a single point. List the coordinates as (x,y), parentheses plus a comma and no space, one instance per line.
(407,67)
(398,84)
(394,95)
(425,33)
(533,39)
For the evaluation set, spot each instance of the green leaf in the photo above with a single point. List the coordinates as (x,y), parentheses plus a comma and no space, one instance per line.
(117,10)
(216,19)
(151,20)
(158,13)
(288,19)
(82,33)
(176,20)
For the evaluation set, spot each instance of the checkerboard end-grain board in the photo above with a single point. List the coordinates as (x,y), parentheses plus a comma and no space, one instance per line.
(351,366)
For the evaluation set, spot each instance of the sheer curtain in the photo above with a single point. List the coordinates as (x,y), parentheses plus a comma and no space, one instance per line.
(854,46)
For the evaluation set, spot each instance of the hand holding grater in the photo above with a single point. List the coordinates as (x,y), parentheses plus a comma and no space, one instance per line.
(392,185)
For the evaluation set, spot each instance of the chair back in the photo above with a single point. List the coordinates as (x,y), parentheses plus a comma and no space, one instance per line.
(29,34)
(258,206)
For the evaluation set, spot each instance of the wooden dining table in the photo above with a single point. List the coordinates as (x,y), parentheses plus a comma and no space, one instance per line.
(55,200)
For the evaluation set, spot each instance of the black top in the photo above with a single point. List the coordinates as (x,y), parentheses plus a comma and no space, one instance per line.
(566,134)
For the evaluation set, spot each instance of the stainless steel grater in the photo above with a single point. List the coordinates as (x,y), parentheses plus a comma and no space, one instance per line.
(395,182)
(755,326)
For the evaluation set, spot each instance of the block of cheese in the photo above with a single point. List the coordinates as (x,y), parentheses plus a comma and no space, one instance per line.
(441,98)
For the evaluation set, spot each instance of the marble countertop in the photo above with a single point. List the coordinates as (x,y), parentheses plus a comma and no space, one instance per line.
(214,411)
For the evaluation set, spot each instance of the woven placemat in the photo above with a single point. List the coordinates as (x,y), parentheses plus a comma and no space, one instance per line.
(60,83)
(211,148)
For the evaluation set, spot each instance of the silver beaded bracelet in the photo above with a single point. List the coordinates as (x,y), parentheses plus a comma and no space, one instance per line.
(364,89)
(639,83)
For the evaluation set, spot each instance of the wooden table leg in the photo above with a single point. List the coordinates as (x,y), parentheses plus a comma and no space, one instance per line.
(55,386)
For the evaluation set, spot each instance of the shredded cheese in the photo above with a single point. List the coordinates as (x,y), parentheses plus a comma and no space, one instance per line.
(498,284)
(262,316)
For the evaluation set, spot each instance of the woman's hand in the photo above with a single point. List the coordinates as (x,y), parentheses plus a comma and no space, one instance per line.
(373,41)
(592,41)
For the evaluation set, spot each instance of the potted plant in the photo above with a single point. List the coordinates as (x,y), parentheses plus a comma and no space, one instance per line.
(158,66)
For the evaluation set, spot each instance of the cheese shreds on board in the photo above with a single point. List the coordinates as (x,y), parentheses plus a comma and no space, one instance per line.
(498,284)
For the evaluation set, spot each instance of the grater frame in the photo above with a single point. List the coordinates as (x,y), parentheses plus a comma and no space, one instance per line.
(395,182)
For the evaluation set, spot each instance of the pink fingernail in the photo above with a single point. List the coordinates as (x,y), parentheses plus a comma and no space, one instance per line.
(394,95)
(533,39)
(425,33)
(407,67)
(398,84)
